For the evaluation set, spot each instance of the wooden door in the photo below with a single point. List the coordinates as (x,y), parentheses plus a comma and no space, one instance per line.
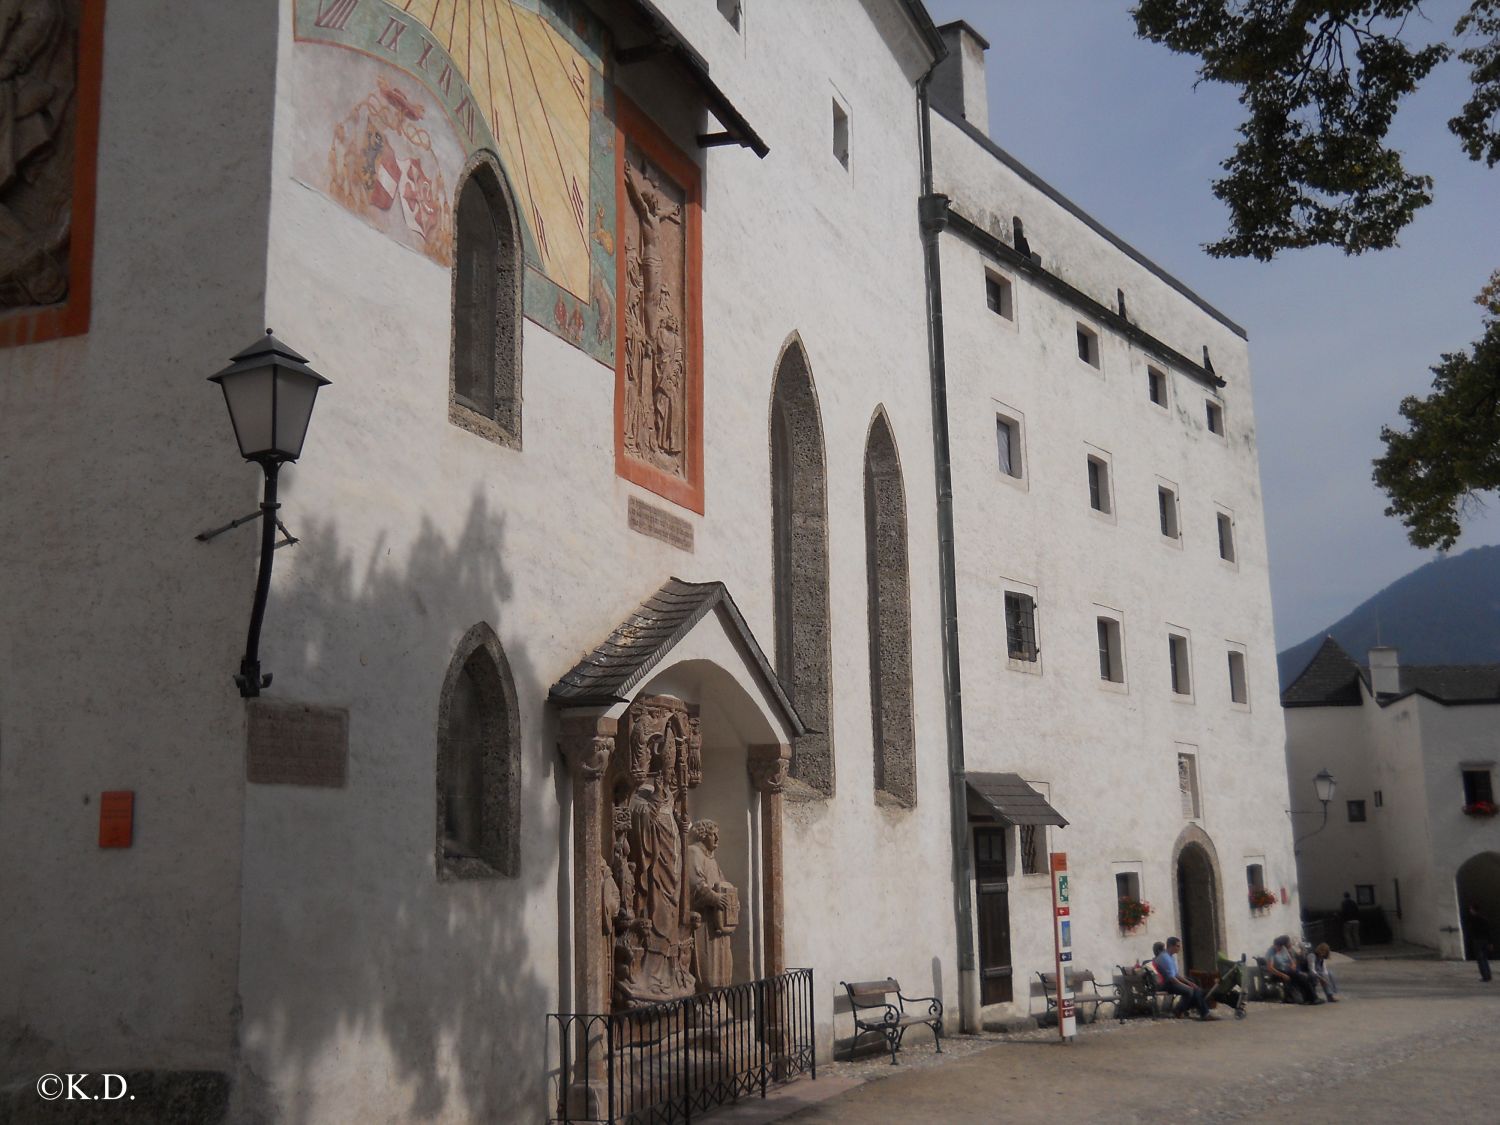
(993,907)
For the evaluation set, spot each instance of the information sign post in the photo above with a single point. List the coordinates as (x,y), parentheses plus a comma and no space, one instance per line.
(1062,935)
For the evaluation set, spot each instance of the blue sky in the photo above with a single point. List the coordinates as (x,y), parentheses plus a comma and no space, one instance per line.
(1335,342)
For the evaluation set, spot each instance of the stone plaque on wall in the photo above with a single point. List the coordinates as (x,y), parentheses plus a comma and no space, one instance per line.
(297,744)
(659,524)
(658,396)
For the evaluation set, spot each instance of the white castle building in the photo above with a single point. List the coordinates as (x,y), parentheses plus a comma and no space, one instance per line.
(753,520)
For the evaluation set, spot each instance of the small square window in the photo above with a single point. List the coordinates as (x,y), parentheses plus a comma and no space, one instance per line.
(1364,894)
(1215,418)
(1088,345)
(1478,786)
(1255,876)
(730,10)
(1239,690)
(1177,659)
(1166,506)
(1226,537)
(1187,785)
(1020,627)
(1356,812)
(1111,661)
(1128,885)
(1098,470)
(1156,386)
(1008,442)
(841,134)
(997,295)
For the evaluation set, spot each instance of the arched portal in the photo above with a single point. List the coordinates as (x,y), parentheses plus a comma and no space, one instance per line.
(1199,897)
(1478,882)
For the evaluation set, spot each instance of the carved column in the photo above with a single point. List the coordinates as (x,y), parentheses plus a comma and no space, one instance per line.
(768,769)
(587,742)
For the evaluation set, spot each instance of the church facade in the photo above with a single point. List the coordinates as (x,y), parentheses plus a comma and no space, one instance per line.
(727,559)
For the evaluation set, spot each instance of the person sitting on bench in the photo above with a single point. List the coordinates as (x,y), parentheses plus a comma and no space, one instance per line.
(1282,965)
(1190,995)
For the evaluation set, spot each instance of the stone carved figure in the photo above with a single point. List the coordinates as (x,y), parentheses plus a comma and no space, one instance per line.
(717,900)
(655,360)
(654,925)
(38,76)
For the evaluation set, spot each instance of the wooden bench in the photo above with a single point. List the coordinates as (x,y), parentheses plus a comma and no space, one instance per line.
(1090,1000)
(873,1012)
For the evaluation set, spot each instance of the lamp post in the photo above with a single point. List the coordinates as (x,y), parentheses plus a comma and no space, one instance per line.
(269,390)
(1324,786)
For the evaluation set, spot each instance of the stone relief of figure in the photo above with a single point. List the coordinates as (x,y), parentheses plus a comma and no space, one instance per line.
(654,923)
(654,351)
(717,900)
(38,73)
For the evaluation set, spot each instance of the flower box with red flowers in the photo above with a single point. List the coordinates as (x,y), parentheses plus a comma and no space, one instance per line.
(1481,808)
(1133,912)
(1261,899)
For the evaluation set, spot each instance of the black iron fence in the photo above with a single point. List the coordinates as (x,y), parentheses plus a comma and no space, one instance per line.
(664,1063)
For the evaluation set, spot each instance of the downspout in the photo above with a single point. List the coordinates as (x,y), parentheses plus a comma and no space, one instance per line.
(932,213)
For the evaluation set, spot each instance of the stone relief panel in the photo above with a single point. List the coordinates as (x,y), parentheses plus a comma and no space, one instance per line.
(669,912)
(38,120)
(655,310)
(658,397)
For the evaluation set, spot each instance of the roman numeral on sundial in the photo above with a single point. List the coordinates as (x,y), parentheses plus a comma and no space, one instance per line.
(541,230)
(391,36)
(465,114)
(334,14)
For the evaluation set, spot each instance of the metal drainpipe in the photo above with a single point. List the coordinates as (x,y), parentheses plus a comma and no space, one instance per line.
(933,212)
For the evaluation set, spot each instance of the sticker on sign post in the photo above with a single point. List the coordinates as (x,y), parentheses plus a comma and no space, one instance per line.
(1062,936)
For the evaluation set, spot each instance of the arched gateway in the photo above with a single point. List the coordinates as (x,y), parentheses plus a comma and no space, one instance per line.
(677,735)
(1199,898)
(1478,881)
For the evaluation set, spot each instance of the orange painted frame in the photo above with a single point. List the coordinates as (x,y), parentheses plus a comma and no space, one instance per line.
(632,124)
(71,318)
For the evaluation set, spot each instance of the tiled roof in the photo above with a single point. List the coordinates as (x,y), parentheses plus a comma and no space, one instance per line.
(611,673)
(1331,679)
(1012,799)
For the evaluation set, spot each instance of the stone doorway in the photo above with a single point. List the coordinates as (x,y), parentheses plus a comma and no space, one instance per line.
(1200,917)
(1478,881)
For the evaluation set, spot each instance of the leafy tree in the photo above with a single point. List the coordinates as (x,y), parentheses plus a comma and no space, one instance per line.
(1435,469)
(1321,81)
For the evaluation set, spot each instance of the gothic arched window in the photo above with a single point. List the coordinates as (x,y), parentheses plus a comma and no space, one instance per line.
(799,511)
(478,762)
(485,392)
(890,618)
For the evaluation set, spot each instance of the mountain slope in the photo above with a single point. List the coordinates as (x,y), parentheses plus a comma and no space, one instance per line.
(1444,612)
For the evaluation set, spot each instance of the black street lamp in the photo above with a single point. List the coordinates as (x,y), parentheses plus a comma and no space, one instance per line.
(1324,785)
(270,391)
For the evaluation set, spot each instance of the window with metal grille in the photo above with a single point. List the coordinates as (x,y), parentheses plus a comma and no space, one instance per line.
(486,370)
(1033,839)
(997,295)
(1020,627)
(1356,812)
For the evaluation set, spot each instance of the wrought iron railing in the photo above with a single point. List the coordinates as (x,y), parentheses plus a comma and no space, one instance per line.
(665,1063)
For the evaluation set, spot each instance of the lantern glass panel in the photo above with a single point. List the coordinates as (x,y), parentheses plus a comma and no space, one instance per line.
(295,391)
(248,394)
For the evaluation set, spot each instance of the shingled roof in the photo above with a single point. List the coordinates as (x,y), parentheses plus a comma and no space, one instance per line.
(611,673)
(1011,800)
(1331,679)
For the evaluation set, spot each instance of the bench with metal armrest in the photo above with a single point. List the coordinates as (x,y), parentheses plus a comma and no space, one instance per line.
(1087,993)
(874,1013)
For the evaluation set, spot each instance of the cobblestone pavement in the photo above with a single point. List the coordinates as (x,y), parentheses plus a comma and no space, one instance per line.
(1411,1041)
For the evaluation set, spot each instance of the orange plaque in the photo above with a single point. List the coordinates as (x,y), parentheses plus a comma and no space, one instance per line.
(116,818)
(1059,861)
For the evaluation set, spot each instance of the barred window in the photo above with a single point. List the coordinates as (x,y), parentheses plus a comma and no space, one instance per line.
(1020,627)
(1033,844)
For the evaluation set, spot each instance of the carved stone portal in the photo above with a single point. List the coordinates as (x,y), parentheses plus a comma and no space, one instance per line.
(656,313)
(38,76)
(654,860)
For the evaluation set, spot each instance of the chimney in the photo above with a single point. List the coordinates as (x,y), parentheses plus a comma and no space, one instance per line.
(958,83)
(1385,671)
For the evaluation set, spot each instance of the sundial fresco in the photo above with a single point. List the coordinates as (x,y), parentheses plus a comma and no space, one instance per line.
(428,82)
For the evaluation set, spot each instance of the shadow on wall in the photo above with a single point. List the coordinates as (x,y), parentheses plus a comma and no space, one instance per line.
(370,987)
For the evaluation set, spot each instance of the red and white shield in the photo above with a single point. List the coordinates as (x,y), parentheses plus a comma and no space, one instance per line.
(419,205)
(387,179)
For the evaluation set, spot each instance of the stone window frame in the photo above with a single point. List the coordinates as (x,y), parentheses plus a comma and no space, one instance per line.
(501,832)
(1239,685)
(841,128)
(888,571)
(1224,527)
(1180,663)
(1157,376)
(1000,294)
(503,425)
(1187,756)
(1102,458)
(1113,621)
(1090,346)
(1017,475)
(796,423)
(1169,512)
(1214,412)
